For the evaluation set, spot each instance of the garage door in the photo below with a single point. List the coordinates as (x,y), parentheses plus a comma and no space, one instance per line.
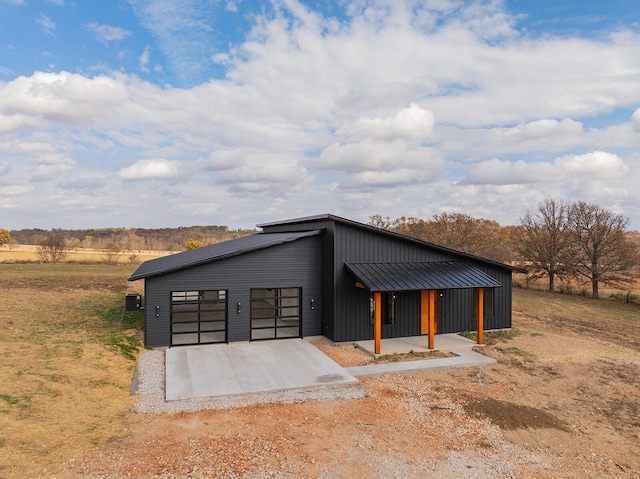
(275,313)
(198,317)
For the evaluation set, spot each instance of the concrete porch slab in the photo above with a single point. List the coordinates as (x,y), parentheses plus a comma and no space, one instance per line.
(442,342)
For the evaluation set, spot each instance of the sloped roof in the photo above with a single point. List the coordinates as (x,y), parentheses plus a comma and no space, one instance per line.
(420,276)
(356,224)
(215,252)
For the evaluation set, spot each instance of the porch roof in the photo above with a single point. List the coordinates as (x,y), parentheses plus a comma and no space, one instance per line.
(414,276)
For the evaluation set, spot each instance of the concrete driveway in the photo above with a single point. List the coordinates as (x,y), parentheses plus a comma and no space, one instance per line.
(244,368)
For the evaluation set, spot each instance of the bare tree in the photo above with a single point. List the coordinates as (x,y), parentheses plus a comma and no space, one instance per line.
(379,222)
(600,251)
(544,241)
(111,252)
(53,248)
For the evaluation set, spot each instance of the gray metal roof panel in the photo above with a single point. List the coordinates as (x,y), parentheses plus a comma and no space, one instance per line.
(215,252)
(420,276)
(356,224)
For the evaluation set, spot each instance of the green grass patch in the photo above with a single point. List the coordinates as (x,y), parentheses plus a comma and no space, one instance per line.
(521,353)
(11,400)
(128,345)
(117,315)
(493,337)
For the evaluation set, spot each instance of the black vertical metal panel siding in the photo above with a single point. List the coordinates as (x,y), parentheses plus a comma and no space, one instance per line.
(328,266)
(351,320)
(346,307)
(295,264)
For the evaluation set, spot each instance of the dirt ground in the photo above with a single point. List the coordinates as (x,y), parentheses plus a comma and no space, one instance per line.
(563,401)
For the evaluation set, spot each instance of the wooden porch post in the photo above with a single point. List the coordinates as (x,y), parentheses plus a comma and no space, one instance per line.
(424,311)
(377,321)
(432,318)
(480,314)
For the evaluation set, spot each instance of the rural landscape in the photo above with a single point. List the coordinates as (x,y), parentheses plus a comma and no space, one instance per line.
(211,174)
(561,402)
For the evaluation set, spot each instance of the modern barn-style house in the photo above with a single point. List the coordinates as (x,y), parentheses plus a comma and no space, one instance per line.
(321,275)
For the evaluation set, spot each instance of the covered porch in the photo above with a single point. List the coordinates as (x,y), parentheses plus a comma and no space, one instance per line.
(417,344)
(430,279)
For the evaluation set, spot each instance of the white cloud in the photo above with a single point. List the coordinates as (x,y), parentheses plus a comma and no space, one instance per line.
(57,99)
(153,169)
(598,164)
(107,33)
(595,165)
(265,173)
(635,119)
(403,108)
(144,59)
(47,25)
(15,190)
(182,31)
(499,172)
(412,123)
(51,165)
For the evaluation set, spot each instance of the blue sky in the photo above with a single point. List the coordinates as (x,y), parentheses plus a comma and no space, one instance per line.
(158,113)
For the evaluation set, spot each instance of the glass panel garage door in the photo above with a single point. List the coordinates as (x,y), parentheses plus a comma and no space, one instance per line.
(198,317)
(275,313)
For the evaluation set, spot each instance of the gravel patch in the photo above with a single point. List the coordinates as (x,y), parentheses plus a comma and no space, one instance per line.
(149,392)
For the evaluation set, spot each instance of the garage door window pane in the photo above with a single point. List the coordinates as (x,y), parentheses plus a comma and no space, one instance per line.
(198,317)
(275,313)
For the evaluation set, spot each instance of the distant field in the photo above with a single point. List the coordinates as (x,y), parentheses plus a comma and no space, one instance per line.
(632,291)
(29,254)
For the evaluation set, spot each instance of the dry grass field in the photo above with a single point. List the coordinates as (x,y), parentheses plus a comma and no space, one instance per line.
(29,254)
(64,375)
(563,401)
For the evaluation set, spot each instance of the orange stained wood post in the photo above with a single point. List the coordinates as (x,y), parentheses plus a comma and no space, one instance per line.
(432,318)
(424,312)
(377,321)
(480,314)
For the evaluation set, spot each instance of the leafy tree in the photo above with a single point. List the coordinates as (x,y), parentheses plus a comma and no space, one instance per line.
(600,252)
(5,236)
(459,231)
(194,244)
(53,248)
(544,241)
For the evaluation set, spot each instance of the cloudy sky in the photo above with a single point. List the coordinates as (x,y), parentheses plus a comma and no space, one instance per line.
(157,113)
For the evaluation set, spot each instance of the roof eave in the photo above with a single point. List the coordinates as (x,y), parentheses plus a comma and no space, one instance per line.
(231,254)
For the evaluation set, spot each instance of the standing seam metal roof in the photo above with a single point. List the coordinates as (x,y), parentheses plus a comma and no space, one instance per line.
(362,226)
(420,276)
(215,252)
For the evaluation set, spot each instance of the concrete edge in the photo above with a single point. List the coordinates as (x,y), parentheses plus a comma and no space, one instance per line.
(463,359)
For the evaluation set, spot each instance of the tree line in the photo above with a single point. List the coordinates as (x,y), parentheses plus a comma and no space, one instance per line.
(560,240)
(127,239)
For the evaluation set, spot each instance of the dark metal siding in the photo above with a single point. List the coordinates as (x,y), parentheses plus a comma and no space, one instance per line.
(351,320)
(407,317)
(328,267)
(346,307)
(295,264)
